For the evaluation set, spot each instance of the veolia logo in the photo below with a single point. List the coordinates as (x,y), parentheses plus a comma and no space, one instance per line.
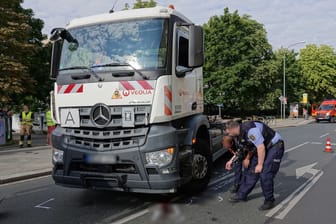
(137,92)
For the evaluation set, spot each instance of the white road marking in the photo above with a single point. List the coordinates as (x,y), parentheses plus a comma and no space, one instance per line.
(296,147)
(324,135)
(138,214)
(298,194)
(316,143)
(131,217)
(41,205)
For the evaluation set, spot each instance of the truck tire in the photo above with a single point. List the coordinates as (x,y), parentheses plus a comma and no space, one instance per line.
(201,168)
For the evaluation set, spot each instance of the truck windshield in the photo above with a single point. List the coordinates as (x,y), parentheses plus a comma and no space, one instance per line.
(326,107)
(139,43)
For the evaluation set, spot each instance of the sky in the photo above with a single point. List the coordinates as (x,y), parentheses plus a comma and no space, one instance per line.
(286,21)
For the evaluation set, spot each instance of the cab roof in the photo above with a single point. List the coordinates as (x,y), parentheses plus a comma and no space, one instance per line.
(145,13)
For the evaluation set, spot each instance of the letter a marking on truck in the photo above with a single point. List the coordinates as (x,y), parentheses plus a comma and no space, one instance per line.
(69,118)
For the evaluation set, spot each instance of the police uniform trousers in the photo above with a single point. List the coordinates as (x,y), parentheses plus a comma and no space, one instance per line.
(270,168)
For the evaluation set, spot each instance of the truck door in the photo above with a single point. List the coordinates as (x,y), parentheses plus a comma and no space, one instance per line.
(184,86)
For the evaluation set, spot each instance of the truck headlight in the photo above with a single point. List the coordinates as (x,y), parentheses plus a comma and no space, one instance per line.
(328,114)
(57,156)
(160,158)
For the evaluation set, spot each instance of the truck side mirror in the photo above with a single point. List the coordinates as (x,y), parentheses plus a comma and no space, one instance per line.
(58,35)
(55,58)
(196,46)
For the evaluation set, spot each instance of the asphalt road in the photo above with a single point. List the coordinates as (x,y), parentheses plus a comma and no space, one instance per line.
(304,189)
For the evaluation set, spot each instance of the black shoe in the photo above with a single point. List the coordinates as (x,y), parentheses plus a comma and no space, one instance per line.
(234,189)
(236,199)
(267,205)
(29,145)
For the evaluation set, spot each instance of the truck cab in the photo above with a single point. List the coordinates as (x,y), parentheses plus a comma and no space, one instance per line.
(326,111)
(128,101)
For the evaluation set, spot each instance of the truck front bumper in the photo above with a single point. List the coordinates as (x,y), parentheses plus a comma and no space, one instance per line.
(120,170)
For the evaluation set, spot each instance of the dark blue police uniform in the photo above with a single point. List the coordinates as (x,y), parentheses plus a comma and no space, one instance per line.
(237,167)
(259,133)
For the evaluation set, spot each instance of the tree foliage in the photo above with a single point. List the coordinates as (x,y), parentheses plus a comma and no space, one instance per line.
(15,49)
(237,68)
(24,60)
(318,64)
(140,4)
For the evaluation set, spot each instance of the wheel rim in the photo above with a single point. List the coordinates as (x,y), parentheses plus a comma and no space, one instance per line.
(200,166)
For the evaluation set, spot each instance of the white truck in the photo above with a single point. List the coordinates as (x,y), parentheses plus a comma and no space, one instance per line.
(128,101)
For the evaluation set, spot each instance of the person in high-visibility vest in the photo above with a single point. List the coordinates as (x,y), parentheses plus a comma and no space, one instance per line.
(50,124)
(26,119)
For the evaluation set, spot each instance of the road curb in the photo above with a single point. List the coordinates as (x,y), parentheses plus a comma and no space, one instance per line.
(35,148)
(24,176)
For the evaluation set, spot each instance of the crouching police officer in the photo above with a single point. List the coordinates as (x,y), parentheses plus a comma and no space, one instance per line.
(264,164)
(230,144)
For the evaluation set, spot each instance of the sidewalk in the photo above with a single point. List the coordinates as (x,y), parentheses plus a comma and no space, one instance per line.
(289,122)
(25,163)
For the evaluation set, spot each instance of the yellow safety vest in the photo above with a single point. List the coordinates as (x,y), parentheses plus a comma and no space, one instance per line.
(50,121)
(26,118)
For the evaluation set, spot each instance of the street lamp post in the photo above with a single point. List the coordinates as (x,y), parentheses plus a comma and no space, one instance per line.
(284,79)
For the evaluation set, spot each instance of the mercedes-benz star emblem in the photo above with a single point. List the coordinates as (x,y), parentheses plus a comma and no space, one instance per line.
(100,115)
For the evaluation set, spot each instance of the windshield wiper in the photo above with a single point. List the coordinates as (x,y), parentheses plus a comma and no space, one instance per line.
(84,67)
(115,64)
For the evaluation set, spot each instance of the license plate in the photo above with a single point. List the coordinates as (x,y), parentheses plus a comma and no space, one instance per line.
(100,159)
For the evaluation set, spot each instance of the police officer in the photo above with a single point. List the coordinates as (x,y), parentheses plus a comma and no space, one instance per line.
(230,144)
(26,118)
(50,124)
(264,164)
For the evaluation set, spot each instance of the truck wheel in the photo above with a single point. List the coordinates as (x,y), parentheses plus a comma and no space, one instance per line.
(201,168)
(317,121)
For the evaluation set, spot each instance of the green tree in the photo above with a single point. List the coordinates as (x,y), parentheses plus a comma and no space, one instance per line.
(144,4)
(24,60)
(318,65)
(235,46)
(295,82)
(15,49)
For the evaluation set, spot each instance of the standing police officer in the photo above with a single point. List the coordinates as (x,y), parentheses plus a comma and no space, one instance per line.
(26,118)
(264,165)
(50,124)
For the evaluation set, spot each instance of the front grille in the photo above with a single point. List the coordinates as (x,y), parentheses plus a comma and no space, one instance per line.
(141,116)
(104,140)
(113,136)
